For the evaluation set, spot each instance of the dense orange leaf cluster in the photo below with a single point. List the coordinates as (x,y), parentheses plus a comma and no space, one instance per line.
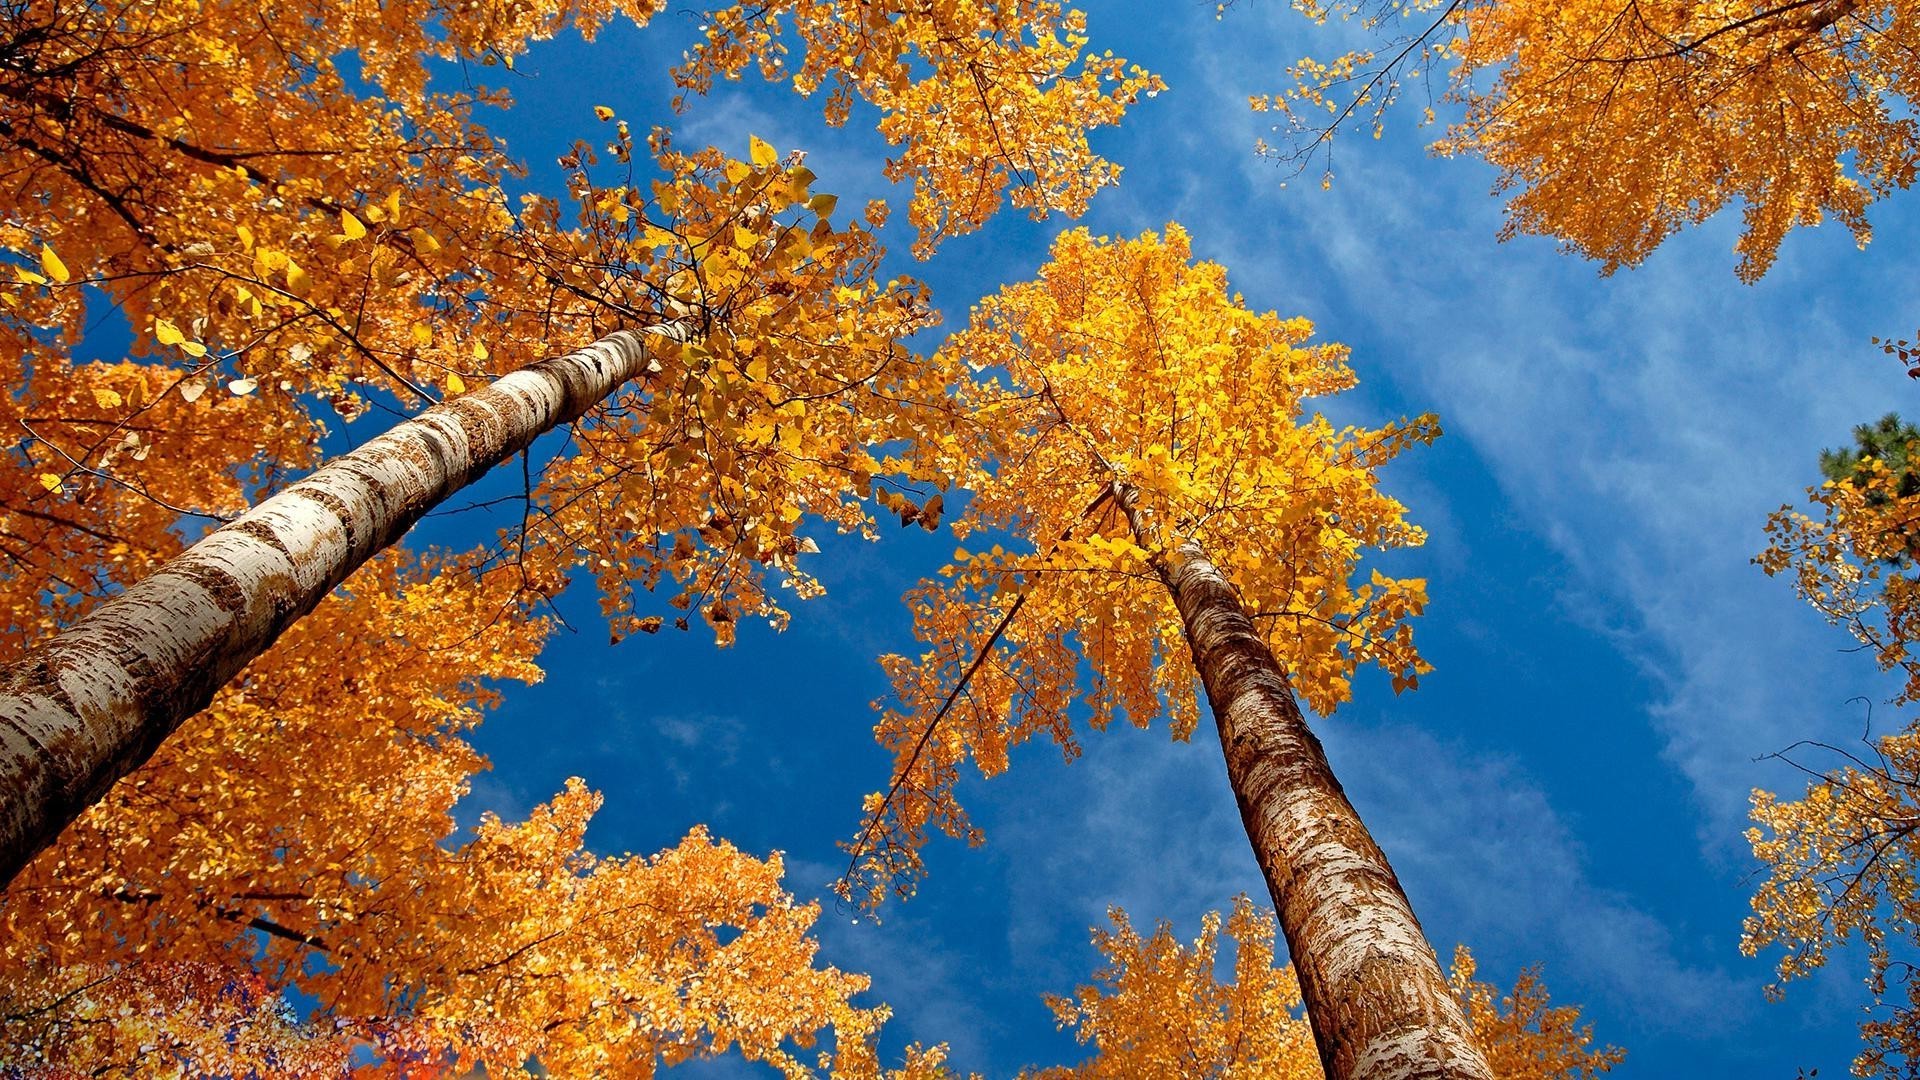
(1615,124)
(302,828)
(978,95)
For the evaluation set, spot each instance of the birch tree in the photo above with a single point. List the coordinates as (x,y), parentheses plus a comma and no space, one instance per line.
(1174,516)
(320,243)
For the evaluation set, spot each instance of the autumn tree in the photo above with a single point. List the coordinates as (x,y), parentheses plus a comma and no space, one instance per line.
(383,251)
(1613,125)
(1840,858)
(221,875)
(1174,513)
(1157,1008)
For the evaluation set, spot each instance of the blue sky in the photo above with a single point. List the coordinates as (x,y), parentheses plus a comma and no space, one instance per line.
(1568,788)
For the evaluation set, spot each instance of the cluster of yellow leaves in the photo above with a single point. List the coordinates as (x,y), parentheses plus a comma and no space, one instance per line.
(236,850)
(1840,860)
(704,474)
(1128,368)
(1158,1010)
(1852,563)
(209,166)
(1615,124)
(977,94)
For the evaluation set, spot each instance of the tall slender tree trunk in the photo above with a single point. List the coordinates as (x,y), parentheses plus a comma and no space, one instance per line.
(86,708)
(1379,1006)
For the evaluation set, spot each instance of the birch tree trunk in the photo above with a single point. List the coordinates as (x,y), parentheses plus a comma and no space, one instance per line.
(1379,1006)
(86,708)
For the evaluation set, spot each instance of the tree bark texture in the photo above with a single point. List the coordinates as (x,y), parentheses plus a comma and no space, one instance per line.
(89,706)
(1379,1006)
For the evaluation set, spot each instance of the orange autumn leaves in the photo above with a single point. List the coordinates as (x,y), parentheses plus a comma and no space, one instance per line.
(1614,125)
(1839,860)
(302,828)
(979,97)
(1158,1008)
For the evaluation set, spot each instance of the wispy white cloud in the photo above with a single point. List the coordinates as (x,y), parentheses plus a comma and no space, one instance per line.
(1643,425)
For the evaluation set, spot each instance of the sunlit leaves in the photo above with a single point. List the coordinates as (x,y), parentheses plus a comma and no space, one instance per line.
(1126,366)
(51,265)
(504,945)
(1840,860)
(979,96)
(1614,125)
(703,478)
(1851,563)
(1159,1008)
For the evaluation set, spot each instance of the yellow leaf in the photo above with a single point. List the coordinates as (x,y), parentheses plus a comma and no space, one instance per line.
(51,263)
(106,399)
(762,152)
(393,204)
(351,226)
(479,349)
(297,280)
(424,240)
(422,334)
(166,333)
(28,277)
(246,236)
(51,481)
(455,384)
(193,349)
(603,112)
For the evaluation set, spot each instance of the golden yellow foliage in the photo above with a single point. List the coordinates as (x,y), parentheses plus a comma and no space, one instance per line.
(979,95)
(1127,364)
(706,473)
(1157,1009)
(1840,859)
(300,832)
(1615,124)
(1853,563)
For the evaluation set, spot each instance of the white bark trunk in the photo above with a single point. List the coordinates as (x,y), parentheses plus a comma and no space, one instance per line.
(86,708)
(1376,999)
